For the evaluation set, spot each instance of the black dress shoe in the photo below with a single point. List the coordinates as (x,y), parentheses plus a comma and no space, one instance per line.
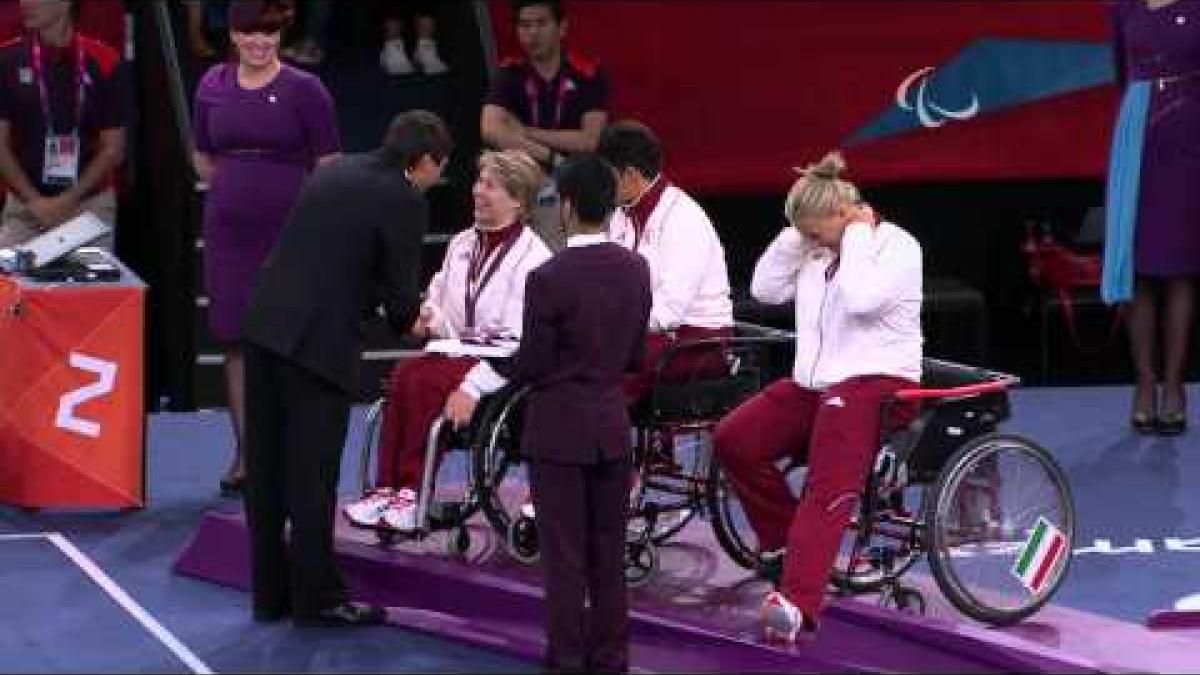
(1172,423)
(1145,423)
(345,614)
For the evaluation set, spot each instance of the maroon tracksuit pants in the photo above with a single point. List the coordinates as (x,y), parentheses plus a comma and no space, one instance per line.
(837,434)
(416,394)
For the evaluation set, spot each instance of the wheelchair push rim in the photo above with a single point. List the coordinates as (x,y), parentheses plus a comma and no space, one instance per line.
(1001,523)
(499,475)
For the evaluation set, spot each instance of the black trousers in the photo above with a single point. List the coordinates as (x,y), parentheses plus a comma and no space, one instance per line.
(295,430)
(581,532)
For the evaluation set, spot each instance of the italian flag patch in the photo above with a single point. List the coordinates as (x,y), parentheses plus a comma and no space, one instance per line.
(1043,552)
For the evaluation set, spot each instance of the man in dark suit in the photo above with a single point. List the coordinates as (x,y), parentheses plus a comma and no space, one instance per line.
(353,241)
(586,312)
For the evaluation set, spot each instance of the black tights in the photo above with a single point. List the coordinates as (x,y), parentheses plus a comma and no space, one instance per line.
(1179,305)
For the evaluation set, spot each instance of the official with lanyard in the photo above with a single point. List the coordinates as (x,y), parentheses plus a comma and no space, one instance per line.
(63,112)
(549,102)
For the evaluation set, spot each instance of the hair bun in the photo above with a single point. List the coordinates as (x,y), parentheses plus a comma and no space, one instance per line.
(830,167)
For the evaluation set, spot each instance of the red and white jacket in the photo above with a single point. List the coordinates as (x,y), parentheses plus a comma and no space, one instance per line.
(687,263)
(501,302)
(862,317)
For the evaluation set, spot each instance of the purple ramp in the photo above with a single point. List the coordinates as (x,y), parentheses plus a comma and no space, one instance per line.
(689,621)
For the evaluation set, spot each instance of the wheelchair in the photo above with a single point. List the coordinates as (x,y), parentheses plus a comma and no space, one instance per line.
(440,508)
(495,482)
(987,500)
(672,425)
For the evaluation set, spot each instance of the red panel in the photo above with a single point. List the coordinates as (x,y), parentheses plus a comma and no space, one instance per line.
(741,91)
(101,19)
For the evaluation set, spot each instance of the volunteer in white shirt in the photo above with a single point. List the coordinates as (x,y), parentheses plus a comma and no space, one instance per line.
(687,262)
(856,283)
(480,288)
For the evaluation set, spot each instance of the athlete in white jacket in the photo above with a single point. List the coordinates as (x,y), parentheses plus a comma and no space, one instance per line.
(856,283)
(480,288)
(690,282)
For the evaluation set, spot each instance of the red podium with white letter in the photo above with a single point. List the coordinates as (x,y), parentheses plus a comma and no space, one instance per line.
(72,418)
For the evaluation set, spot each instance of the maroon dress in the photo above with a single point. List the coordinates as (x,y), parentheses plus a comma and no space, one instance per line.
(263,143)
(1163,46)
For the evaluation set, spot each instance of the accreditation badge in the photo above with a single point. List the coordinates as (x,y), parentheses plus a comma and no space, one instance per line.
(61,163)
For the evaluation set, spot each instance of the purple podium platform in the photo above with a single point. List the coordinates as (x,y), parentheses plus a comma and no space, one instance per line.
(698,614)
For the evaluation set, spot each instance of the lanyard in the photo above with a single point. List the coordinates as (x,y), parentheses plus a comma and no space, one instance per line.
(832,268)
(475,289)
(639,225)
(532,91)
(39,74)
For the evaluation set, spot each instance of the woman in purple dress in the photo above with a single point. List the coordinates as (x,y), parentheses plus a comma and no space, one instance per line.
(260,128)
(1158,51)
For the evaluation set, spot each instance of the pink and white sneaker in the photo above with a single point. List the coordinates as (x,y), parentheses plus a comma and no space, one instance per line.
(401,512)
(782,621)
(368,511)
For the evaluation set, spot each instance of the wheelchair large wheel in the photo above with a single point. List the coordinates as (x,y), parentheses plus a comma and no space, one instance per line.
(728,519)
(1000,525)
(500,475)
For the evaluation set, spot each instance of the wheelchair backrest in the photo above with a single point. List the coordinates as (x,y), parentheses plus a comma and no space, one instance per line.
(945,425)
(703,399)
(739,367)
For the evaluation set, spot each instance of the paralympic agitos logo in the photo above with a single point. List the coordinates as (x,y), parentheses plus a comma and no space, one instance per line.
(915,94)
(989,75)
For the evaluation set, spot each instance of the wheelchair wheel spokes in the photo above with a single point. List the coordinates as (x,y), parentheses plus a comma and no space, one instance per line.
(500,477)
(671,521)
(729,521)
(372,421)
(670,513)
(872,554)
(675,483)
(994,516)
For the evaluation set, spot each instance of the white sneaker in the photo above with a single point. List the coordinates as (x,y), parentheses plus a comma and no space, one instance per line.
(528,511)
(782,621)
(394,60)
(401,511)
(368,511)
(426,56)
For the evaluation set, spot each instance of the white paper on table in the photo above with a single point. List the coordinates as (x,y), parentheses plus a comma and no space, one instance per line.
(455,347)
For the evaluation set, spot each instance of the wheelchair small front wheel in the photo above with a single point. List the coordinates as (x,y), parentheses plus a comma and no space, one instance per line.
(1000,525)
(641,562)
(387,538)
(903,599)
(522,541)
(459,543)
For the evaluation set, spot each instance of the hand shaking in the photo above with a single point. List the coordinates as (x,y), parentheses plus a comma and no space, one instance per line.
(421,327)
